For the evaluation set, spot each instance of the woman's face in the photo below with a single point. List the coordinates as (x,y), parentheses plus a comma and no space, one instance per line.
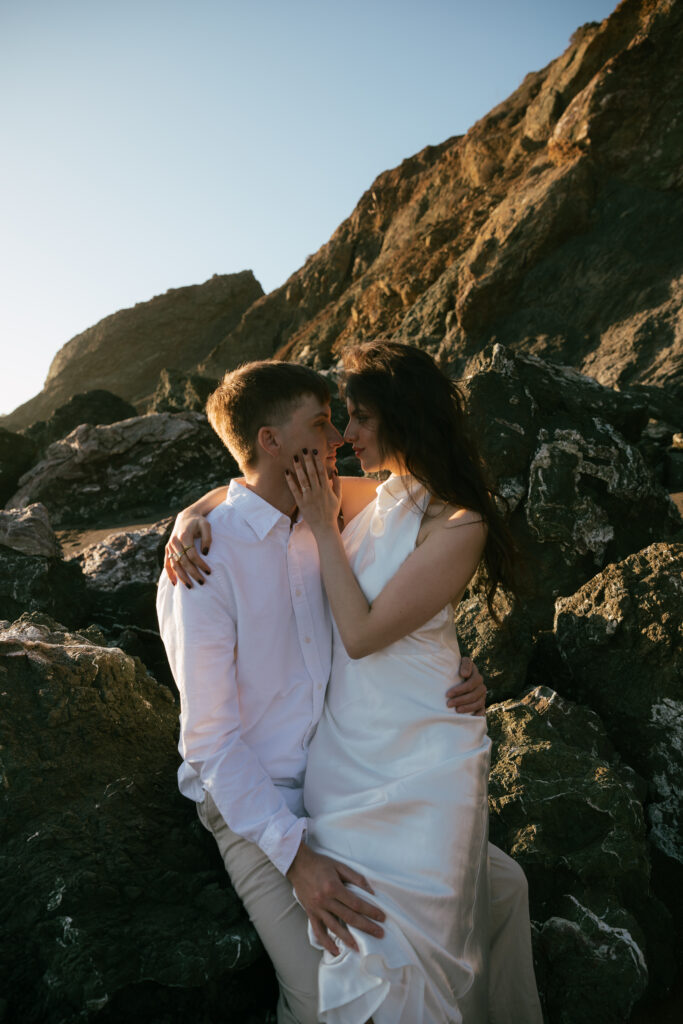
(362,433)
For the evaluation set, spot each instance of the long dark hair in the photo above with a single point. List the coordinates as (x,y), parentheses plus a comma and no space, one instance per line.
(422,421)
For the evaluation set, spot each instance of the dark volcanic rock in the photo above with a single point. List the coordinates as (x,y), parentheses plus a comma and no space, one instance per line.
(580,494)
(570,812)
(17,454)
(138,466)
(114,901)
(621,637)
(126,352)
(33,575)
(122,572)
(90,407)
(180,392)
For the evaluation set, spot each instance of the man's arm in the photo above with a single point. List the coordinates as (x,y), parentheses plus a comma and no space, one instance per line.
(199,635)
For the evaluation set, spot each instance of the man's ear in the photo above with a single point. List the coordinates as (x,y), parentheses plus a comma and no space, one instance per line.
(268,441)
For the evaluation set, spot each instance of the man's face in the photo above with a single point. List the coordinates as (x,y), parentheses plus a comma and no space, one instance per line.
(309,426)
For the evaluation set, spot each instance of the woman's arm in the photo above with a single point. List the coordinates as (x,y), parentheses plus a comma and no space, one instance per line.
(434,574)
(182,560)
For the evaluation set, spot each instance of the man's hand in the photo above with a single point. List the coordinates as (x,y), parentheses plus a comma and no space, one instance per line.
(468,697)
(318,882)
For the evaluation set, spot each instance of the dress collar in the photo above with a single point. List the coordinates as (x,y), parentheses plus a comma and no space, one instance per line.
(256,511)
(402,490)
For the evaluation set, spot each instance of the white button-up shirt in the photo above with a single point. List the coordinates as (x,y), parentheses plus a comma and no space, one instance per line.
(250,653)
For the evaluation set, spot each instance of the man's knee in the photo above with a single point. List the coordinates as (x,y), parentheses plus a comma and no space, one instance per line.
(509,889)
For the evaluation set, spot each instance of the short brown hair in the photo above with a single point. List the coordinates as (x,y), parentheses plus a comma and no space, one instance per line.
(256,395)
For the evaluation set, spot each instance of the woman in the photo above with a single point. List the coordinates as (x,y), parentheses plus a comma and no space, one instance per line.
(396,786)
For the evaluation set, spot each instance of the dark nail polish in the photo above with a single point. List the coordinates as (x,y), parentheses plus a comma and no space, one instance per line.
(200,582)
(305,451)
(315,451)
(189,586)
(205,551)
(296,458)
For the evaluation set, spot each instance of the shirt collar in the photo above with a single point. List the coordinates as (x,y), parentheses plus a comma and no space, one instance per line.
(256,511)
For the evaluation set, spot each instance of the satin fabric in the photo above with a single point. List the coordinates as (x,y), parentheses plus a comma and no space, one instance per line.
(396,787)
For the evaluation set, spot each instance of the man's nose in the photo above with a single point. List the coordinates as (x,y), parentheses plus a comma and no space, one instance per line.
(334,437)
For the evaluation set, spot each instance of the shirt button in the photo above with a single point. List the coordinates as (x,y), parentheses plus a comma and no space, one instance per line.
(307,639)
(320,686)
(297,592)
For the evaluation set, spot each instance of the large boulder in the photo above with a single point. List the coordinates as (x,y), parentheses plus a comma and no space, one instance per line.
(33,574)
(569,810)
(138,467)
(555,445)
(17,454)
(115,903)
(621,638)
(122,572)
(561,449)
(97,406)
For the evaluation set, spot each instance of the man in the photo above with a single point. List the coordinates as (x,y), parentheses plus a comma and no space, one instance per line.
(251,657)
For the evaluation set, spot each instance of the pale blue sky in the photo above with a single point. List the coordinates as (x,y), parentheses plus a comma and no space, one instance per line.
(148,144)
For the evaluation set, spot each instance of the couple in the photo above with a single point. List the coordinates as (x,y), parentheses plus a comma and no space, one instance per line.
(390,867)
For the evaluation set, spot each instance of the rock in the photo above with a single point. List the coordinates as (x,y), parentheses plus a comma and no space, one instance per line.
(502,653)
(126,352)
(601,948)
(565,806)
(180,392)
(122,572)
(116,905)
(97,406)
(17,454)
(33,575)
(579,494)
(140,466)
(621,638)
(29,530)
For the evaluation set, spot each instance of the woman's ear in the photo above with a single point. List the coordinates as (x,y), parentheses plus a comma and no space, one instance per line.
(268,441)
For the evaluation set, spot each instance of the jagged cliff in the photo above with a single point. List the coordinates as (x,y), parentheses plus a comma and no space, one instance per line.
(552,226)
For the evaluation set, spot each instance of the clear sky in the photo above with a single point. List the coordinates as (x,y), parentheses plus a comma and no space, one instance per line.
(148,144)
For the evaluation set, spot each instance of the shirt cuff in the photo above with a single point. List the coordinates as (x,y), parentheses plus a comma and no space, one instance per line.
(281,847)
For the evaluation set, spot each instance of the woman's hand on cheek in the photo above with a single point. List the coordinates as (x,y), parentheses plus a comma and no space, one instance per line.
(313,491)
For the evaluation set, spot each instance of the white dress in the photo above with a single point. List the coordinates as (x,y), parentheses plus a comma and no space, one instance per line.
(396,787)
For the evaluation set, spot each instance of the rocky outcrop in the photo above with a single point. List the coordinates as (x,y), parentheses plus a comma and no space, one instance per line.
(140,466)
(180,392)
(566,807)
(115,903)
(17,455)
(126,351)
(121,574)
(550,226)
(33,575)
(90,407)
(621,638)
(580,495)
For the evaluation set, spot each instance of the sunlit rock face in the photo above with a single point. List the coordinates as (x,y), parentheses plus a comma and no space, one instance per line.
(565,805)
(140,465)
(126,352)
(116,905)
(552,226)
(621,638)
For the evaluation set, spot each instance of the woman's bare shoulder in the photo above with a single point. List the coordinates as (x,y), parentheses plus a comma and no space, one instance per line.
(442,516)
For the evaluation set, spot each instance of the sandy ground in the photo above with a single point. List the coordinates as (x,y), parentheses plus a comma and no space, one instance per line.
(74,541)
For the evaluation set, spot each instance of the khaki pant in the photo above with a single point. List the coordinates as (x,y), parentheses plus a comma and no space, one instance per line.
(282,926)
